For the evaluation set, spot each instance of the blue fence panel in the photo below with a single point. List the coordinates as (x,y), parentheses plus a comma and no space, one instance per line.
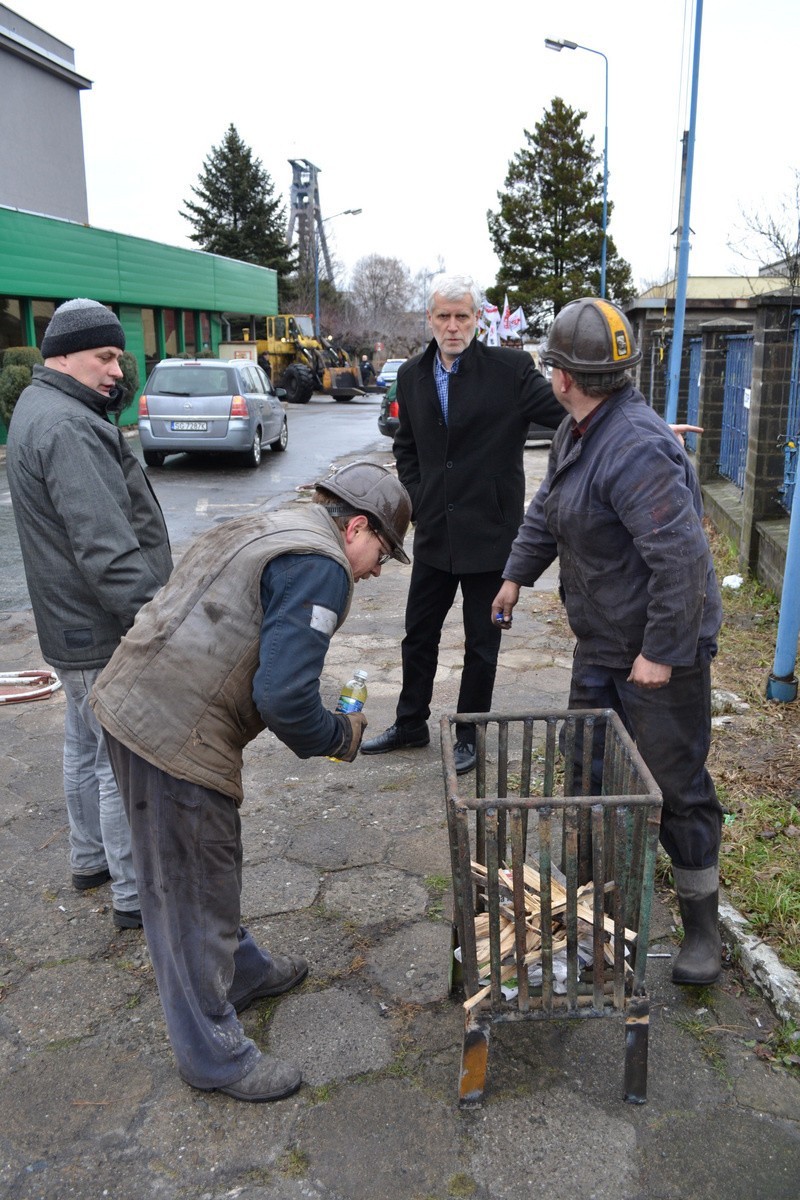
(736,407)
(790,445)
(693,399)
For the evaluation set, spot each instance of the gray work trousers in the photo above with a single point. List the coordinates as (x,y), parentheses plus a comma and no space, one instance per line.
(187,852)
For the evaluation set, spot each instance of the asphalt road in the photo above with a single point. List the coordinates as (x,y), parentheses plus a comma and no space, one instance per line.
(195,492)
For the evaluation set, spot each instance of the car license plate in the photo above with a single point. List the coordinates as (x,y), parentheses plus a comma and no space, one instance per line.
(189,426)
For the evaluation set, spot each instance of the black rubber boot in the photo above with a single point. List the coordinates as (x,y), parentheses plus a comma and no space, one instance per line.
(700,959)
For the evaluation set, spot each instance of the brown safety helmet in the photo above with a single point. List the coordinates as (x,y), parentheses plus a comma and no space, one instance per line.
(592,336)
(374,489)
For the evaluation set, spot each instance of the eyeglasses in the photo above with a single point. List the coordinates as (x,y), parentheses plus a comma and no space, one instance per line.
(387,554)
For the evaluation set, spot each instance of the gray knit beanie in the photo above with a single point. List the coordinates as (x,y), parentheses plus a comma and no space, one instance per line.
(81,325)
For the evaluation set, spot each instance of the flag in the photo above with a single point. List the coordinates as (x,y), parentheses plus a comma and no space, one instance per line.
(517,321)
(492,337)
(505,321)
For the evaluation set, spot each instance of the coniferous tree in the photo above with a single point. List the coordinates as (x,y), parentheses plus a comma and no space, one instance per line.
(548,230)
(236,212)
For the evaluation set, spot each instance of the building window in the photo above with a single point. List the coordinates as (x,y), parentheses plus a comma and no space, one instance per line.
(42,312)
(205,331)
(170,333)
(151,355)
(189,343)
(10,323)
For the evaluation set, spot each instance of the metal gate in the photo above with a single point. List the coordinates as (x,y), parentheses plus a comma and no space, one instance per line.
(792,436)
(693,401)
(736,407)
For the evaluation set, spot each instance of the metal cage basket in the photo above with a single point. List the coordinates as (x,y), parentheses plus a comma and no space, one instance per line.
(552,885)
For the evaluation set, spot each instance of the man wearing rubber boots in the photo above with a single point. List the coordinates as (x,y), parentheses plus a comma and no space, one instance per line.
(233,644)
(621,508)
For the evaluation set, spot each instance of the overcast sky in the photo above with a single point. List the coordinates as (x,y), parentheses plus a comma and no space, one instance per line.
(413,110)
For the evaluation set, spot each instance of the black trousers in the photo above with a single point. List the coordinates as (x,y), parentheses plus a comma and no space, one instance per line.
(672,730)
(430,597)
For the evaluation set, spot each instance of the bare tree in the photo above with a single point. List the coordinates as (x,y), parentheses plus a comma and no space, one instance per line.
(774,238)
(381,295)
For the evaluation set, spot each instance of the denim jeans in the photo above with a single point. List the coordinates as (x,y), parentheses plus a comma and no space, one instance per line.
(99,832)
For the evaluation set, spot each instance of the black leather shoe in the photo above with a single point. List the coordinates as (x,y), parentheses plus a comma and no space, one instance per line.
(397,737)
(465,756)
(286,971)
(82,883)
(128,918)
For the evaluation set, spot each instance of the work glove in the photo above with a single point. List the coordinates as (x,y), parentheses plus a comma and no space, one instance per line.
(352,726)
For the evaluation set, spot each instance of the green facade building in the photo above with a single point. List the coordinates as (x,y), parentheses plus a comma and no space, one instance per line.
(169,300)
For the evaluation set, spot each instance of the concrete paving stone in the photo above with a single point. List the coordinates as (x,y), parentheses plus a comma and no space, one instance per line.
(209,1143)
(277,886)
(331,949)
(425,850)
(80,1100)
(552,1144)
(758,1080)
(330,1035)
(338,843)
(371,895)
(722,1153)
(413,964)
(399,1144)
(53,1004)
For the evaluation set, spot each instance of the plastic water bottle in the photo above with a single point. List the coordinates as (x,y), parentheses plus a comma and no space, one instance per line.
(354,694)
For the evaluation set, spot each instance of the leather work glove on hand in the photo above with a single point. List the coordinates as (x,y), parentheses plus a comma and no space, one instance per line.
(353,726)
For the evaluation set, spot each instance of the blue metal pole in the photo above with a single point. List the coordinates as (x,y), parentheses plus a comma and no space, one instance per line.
(676,350)
(782,682)
(605,192)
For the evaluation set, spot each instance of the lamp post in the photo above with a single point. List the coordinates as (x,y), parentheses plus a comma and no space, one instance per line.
(558,46)
(346,212)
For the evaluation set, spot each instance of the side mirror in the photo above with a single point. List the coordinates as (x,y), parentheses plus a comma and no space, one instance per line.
(280,393)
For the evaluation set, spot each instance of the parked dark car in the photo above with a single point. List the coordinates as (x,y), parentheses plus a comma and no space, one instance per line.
(210,404)
(539,433)
(389,415)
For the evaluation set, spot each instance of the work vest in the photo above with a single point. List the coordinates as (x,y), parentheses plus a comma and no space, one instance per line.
(178,689)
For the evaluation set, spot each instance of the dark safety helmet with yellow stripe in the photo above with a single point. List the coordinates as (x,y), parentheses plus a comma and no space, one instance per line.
(592,336)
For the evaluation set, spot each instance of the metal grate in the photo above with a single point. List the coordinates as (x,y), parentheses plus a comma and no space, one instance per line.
(736,407)
(532,811)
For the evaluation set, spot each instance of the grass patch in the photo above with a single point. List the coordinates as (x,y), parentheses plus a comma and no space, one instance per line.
(294,1164)
(437,886)
(707,1040)
(755,763)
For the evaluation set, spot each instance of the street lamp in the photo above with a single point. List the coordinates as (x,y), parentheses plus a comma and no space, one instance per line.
(563,44)
(346,212)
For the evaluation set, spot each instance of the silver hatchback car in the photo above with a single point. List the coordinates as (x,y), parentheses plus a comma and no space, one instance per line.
(210,404)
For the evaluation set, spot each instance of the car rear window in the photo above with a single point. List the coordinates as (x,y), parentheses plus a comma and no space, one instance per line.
(192,381)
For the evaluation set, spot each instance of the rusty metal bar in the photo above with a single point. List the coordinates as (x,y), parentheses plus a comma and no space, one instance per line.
(598,907)
(619,912)
(637,1028)
(493,898)
(474,1059)
(502,783)
(571,915)
(545,879)
(520,927)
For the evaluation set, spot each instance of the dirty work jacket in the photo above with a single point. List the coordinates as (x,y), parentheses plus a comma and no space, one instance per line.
(179,690)
(94,542)
(466,478)
(622,510)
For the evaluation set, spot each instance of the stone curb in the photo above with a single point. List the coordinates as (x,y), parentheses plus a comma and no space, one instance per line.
(777,982)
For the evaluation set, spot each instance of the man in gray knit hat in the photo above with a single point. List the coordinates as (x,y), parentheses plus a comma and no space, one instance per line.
(95,549)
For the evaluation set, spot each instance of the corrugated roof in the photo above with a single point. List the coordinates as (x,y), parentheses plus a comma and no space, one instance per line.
(719,287)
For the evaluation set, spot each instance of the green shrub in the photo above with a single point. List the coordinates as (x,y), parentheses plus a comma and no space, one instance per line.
(22,356)
(130,373)
(17,367)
